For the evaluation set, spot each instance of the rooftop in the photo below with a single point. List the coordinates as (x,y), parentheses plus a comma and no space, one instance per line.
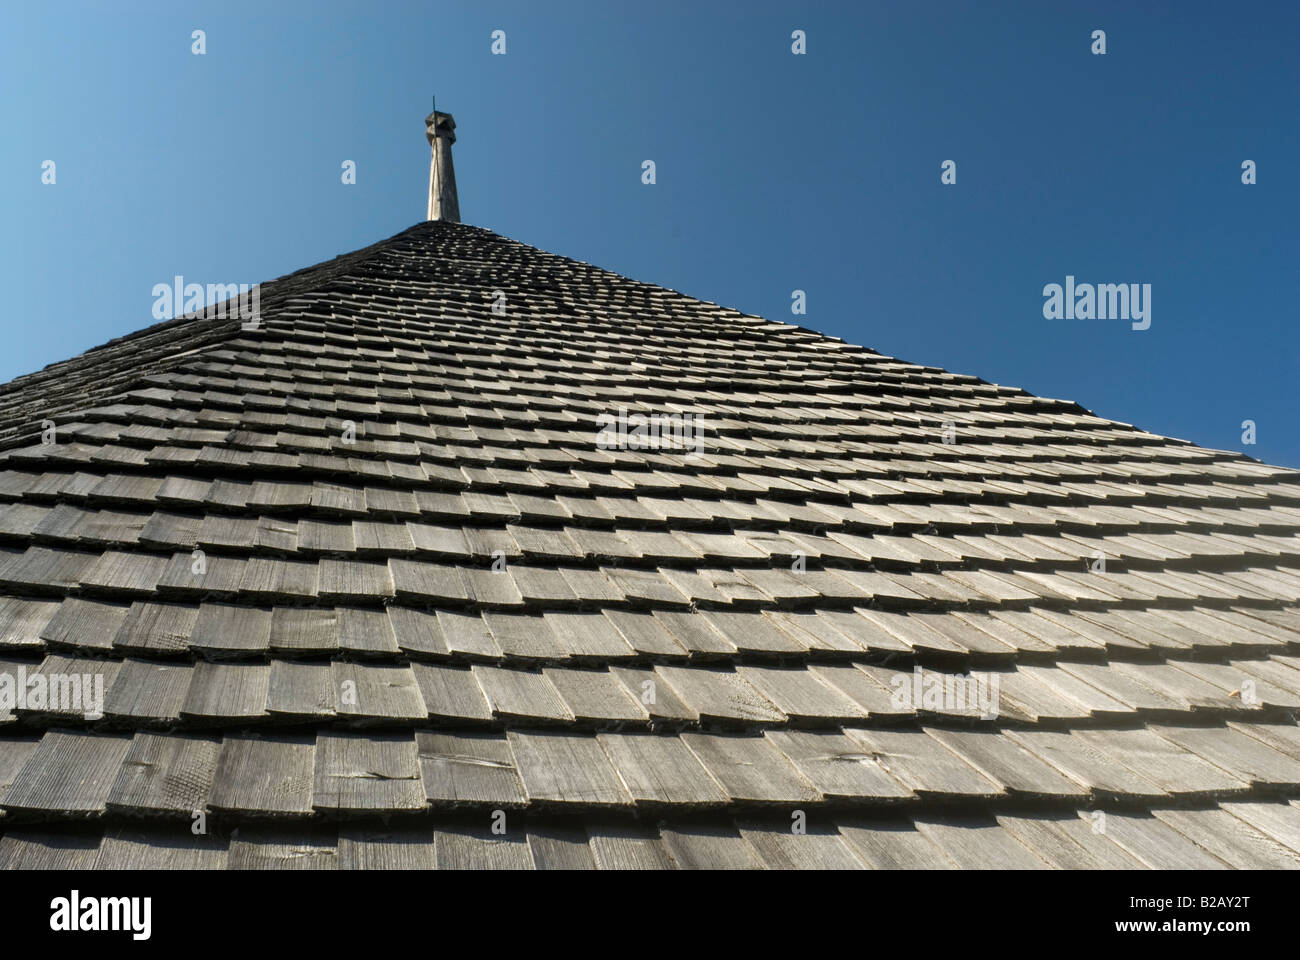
(366,580)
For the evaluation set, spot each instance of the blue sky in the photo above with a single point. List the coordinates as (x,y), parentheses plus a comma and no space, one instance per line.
(775,172)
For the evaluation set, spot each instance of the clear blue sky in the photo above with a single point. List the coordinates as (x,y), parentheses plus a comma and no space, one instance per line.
(775,172)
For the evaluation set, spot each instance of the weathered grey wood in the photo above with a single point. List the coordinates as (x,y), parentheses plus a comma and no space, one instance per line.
(271,578)
(1009,764)
(465,768)
(160,848)
(703,635)
(1088,766)
(818,848)
(469,848)
(1219,631)
(1259,695)
(560,848)
(360,774)
(1126,688)
(617,846)
(977,843)
(39,848)
(467,635)
(335,498)
(658,699)
(1243,756)
(750,769)
(521,695)
(438,540)
(719,695)
(539,586)
(315,536)
(367,848)
(276,848)
(947,692)
(752,632)
(23,621)
(588,635)
(864,633)
(491,589)
(800,694)
(383,539)
(86,624)
(893,843)
(862,687)
(813,629)
(913,632)
(1174,769)
(353,579)
(595,696)
(709,848)
(1158,845)
(645,588)
(1282,737)
(1281,682)
(227,692)
(165,775)
(223,629)
(62,689)
(1231,839)
(145,691)
(1139,627)
(221,576)
(631,567)
(43,567)
(1065,842)
(923,764)
(67,773)
(962,633)
(377,692)
(1095,703)
(123,572)
(451,693)
(417,581)
(661,769)
(1279,820)
(653,635)
(837,766)
(1004,632)
(1023,695)
(156,627)
(523,637)
(365,632)
(1064,633)
(545,544)
(14,751)
(417,631)
(300,690)
(269,776)
(591,586)
(567,769)
(1179,685)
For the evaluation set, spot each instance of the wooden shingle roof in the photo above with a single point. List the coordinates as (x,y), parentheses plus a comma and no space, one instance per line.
(361,584)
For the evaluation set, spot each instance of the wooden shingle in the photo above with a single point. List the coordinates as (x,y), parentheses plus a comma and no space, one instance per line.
(269,776)
(68,773)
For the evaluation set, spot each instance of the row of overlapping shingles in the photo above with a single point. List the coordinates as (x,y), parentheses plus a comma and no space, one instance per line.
(243,776)
(510,453)
(1235,834)
(1080,688)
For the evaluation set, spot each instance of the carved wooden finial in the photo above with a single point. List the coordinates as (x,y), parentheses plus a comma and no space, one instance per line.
(440,128)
